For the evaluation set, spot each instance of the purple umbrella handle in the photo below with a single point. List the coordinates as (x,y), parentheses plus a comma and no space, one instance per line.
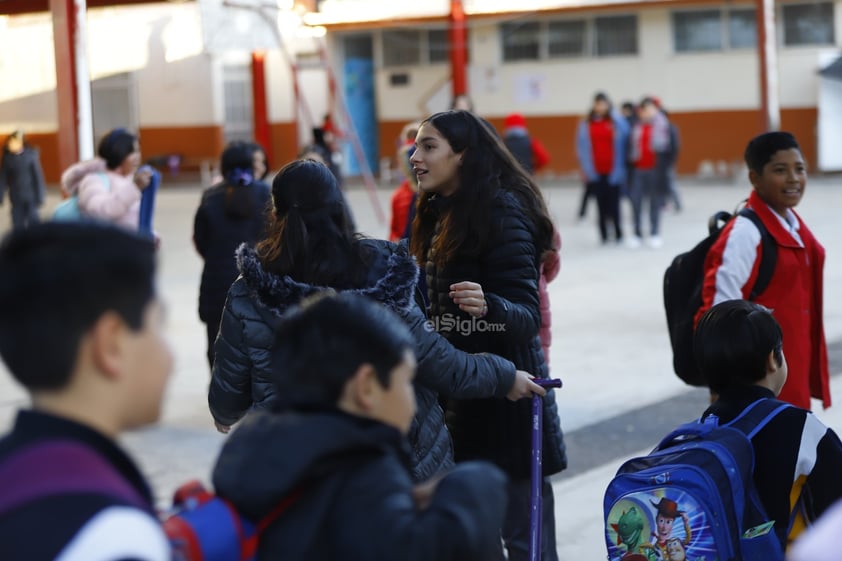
(536,499)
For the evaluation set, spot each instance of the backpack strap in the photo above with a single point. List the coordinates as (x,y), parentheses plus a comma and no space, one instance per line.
(757,415)
(61,467)
(768,254)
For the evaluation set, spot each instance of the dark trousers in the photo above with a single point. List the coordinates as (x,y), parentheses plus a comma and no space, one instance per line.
(24,214)
(588,193)
(516,524)
(608,205)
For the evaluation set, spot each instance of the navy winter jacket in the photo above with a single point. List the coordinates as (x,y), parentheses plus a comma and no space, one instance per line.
(217,236)
(243,369)
(353,495)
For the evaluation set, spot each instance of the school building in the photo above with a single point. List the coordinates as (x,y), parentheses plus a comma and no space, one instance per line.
(191,75)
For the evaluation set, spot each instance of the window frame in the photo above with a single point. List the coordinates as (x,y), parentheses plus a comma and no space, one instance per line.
(590,41)
(726,44)
(781,26)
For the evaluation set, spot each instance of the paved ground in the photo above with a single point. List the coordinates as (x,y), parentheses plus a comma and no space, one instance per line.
(610,345)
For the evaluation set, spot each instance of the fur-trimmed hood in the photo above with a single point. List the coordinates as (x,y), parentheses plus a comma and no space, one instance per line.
(392,279)
(72,176)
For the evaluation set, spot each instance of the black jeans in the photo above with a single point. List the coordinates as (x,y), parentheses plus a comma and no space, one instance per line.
(589,192)
(608,205)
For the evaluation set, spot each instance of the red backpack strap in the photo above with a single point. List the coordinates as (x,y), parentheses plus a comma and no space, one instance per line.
(249,549)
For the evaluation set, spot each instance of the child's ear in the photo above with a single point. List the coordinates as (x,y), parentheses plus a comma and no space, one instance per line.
(772,364)
(106,340)
(753,177)
(365,387)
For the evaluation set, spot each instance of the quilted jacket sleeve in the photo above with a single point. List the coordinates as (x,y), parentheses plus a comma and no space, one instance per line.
(229,395)
(454,373)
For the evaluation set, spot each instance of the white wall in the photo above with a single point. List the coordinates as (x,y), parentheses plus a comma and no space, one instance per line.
(27,74)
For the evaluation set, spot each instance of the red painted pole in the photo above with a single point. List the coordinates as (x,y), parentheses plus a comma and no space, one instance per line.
(262,131)
(64,45)
(458,48)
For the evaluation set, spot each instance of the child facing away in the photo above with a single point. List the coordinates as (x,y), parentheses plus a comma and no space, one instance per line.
(336,443)
(81,330)
(740,350)
(795,292)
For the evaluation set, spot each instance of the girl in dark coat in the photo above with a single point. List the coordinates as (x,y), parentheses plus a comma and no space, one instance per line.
(231,213)
(20,173)
(480,229)
(310,247)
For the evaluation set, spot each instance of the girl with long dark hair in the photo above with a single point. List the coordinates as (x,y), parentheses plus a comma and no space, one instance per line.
(480,231)
(231,213)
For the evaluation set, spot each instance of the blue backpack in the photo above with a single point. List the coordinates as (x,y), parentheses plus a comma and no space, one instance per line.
(693,497)
(68,210)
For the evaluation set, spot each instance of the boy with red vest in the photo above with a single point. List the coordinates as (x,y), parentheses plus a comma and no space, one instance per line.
(778,175)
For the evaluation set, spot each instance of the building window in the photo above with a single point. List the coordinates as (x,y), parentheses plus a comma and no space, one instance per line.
(742,28)
(601,36)
(567,38)
(438,45)
(401,47)
(714,30)
(616,35)
(808,24)
(521,41)
(699,30)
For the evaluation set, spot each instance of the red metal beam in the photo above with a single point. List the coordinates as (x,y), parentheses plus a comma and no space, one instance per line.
(262,132)
(64,31)
(458,48)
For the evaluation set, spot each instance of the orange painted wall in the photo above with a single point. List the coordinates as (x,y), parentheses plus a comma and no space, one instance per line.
(47,144)
(705,135)
(191,142)
(284,144)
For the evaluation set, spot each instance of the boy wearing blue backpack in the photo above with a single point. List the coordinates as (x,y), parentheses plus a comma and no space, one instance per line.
(333,455)
(746,477)
(797,460)
(81,330)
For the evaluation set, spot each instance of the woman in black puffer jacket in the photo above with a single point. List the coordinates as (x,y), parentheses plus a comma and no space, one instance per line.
(480,230)
(310,247)
(231,213)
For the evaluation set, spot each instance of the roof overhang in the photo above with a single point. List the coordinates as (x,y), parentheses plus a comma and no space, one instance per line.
(833,71)
(17,7)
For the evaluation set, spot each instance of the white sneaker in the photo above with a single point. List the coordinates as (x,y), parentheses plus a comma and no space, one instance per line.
(655,242)
(633,242)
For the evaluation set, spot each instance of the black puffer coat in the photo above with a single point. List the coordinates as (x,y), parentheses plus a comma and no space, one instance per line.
(217,236)
(243,373)
(507,270)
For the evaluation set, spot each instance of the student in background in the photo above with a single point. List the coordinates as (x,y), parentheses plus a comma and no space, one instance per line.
(22,177)
(527,150)
(601,141)
(231,213)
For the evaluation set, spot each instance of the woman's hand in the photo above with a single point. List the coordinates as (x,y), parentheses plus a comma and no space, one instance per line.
(470,298)
(142,177)
(224,429)
(524,387)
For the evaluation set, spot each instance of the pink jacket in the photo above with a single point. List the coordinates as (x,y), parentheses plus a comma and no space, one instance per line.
(117,202)
(549,270)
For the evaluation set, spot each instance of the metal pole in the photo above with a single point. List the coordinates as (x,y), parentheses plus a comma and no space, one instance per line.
(767,51)
(85,122)
(458,48)
(536,503)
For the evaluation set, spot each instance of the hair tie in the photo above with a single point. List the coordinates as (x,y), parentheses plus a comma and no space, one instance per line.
(240,176)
